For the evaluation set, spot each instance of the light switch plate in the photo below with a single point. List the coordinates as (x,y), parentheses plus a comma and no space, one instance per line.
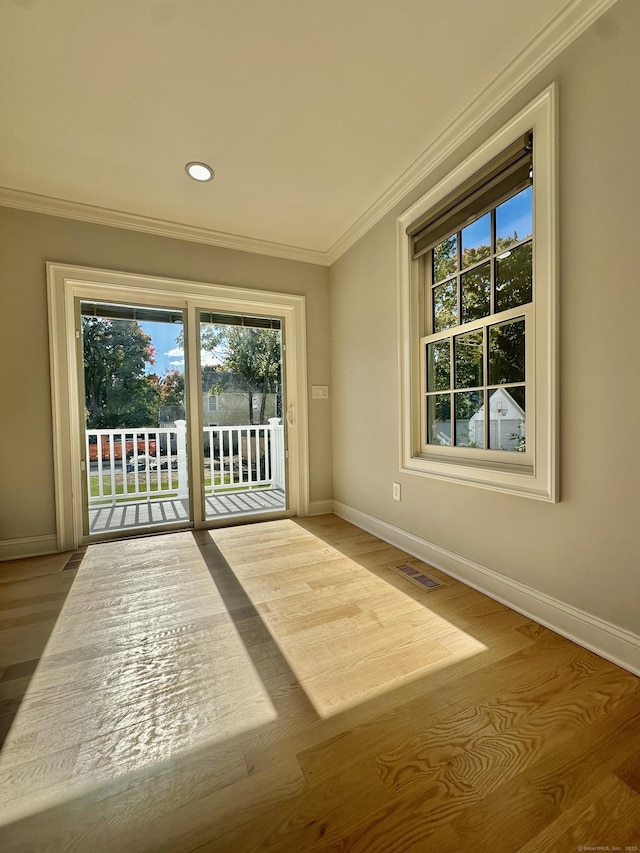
(319,392)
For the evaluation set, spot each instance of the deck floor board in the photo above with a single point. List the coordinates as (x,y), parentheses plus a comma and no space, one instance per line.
(139,514)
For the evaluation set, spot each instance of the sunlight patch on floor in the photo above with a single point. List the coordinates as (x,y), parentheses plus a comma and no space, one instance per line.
(144,663)
(347,634)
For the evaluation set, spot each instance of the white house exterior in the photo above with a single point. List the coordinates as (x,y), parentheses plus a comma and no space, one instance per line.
(507,422)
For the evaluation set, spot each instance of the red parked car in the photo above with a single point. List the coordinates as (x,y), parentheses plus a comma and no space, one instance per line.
(148,447)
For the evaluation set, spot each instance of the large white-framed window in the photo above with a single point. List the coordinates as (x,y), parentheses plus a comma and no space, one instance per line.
(477,310)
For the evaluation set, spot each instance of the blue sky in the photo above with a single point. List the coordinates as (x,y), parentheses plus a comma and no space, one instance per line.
(164,340)
(169,356)
(512,216)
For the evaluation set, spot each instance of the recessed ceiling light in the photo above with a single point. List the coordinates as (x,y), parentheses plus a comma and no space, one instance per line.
(199,171)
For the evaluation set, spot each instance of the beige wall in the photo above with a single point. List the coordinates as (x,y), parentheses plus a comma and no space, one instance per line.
(27,241)
(583,550)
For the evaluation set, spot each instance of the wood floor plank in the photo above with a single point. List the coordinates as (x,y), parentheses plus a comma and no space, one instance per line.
(629,769)
(17,570)
(14,688)
(610,744)
(24,642)
(443,700)
(605,817)
(279,687)
(219,814)
(502,821)
(263,747)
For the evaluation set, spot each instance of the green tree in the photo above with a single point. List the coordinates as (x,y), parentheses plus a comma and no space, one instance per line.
(118,393)
(472,285)
(445,258)
(514,286)
(171,388)
(252,355)
(171,395)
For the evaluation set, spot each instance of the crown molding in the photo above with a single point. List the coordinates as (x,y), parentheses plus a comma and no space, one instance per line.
(36,203)
(570,23)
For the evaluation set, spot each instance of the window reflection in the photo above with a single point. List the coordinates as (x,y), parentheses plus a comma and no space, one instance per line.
(445,258)
(476,241)
(514,219)
(439,419)
(469,419)
(445,305)
(507,352)
(468,356)
(439,366)
(514,278)
(476,293)
(507,419)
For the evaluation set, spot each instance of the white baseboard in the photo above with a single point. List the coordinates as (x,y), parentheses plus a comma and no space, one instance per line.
(321,507)
(30,546)
(615,644)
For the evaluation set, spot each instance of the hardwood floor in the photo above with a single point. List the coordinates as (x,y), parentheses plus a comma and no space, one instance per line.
(278,687)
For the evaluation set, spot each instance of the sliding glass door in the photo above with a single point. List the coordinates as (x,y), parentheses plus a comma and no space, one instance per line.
(134,411)
(243,436)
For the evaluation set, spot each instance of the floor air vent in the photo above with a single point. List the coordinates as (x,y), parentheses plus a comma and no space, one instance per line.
(417,577)
(75,559)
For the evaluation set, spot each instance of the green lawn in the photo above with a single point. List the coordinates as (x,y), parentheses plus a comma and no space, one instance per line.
(159,489)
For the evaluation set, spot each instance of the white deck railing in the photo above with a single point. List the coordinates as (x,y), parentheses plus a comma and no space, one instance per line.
(150,463)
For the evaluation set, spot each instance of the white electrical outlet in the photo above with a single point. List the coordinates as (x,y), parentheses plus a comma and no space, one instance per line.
(396,491)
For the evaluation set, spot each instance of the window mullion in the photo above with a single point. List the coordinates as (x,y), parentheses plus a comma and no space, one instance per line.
(452,396)
(427,276)
(459,276)
(485,358)
(492,272)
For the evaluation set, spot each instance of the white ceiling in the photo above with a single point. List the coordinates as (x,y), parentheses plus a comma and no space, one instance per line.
(307,111)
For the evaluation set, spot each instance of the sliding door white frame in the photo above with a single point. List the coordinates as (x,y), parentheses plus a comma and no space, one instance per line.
(66,283)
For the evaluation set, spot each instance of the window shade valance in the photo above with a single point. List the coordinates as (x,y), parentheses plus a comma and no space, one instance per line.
(240,320)
(507,173)
(108,311)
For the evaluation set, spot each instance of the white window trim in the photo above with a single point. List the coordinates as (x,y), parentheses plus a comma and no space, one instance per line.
(539,480)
